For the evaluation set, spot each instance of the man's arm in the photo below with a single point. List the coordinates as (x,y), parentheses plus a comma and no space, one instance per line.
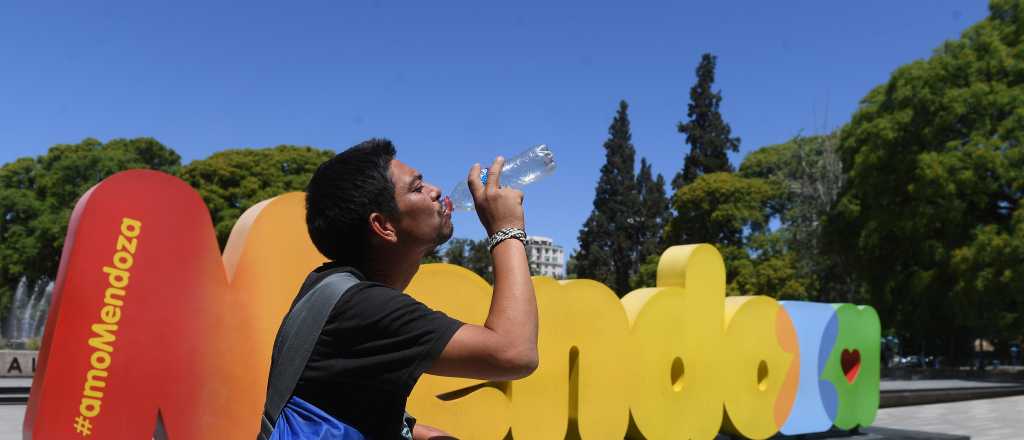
(424,432)
(505,347)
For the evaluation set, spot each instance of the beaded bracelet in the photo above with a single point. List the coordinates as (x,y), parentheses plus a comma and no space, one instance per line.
(505,234)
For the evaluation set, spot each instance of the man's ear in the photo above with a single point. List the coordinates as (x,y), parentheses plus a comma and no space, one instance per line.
(382,228)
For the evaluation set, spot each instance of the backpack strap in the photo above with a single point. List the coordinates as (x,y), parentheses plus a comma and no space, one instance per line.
(295,341)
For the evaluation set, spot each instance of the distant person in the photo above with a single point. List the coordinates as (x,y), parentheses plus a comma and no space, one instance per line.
(376,218)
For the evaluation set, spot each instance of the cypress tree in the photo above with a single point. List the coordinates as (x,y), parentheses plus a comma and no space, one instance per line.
(593,260)
(607,240)
(654,214)
(706,133)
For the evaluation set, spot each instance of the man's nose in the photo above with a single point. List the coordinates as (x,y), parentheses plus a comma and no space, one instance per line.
(435,192)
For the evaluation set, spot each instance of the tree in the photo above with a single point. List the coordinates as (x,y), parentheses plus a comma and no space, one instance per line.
(594,260)
(770,269)
(471,254)
(647,274)
(791,186)
(479,260)
(809,173)
(929,218)
(570,266)
(722,209)
(654,216)
(455,252)
(231,181)
(725,210)
(810,170)
(706,132)
(38,194)
(607,241)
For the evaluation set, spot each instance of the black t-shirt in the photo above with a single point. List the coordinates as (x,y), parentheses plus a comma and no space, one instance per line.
(375,345)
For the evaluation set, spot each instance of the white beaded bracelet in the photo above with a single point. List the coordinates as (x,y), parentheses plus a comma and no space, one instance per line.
(505,234)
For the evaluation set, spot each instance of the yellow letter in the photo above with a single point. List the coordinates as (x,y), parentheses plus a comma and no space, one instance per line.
(100,360)
(677,330)
(130,227)
(117,278)
(581,381)
(465,408)
(756,367)
(123,260)
(109,296)
(91,383)
(110,314)
(103,336)
(89,407)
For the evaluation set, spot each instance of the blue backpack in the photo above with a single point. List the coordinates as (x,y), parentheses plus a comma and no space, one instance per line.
(285,416)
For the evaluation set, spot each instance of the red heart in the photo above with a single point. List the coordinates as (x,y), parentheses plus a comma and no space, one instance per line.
(850,361)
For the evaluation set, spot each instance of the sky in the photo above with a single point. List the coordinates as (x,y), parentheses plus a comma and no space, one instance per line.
(450,83)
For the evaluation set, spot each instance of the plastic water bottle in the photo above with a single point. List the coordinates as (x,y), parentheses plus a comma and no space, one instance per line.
(523,169)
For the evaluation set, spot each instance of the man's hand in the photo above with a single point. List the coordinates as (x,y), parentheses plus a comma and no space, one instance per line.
(497,207)
(424,432)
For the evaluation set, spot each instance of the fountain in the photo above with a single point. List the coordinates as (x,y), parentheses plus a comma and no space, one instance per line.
(27,316)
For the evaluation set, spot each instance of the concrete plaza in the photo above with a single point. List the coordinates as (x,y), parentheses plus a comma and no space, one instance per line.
(989,419)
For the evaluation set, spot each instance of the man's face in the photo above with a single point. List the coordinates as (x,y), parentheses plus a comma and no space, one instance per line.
(423,216)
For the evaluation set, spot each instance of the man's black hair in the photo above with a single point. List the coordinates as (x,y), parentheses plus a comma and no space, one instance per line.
(342,194)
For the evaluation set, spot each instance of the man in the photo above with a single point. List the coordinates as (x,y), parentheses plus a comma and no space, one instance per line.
(376,217)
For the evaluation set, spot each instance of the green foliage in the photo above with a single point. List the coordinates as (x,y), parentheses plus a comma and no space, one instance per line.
(722,209)
(990,273)
(791,184)
(770,162)
(231,181)
(593,260)
(480,260)
(655,213)
(456,252)
(608,247)
(471,254)
(570,267)
(706,132)
(935,162)
(38,194)
(647,274)
(808,172)
(728,211)
(770,269)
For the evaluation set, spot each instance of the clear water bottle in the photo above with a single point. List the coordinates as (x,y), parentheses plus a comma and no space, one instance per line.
(523,169)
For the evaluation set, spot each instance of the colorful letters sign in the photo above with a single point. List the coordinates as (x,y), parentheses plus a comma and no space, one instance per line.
(153,333)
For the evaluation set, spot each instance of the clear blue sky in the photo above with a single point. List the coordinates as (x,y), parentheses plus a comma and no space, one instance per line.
(451,83)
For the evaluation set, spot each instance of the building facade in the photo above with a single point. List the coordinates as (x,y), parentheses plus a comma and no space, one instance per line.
(546,258)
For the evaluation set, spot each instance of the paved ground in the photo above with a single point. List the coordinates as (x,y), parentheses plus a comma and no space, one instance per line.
(989,419)
(11,417)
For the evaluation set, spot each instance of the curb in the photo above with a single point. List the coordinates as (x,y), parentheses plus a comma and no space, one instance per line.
(896,398)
